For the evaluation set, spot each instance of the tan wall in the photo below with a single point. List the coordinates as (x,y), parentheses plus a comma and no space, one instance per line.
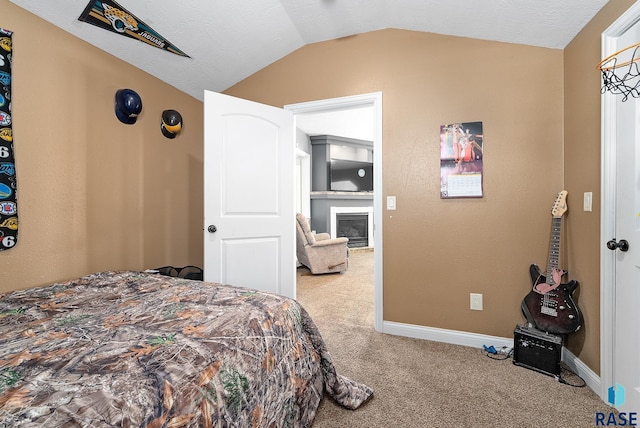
(438,251)
(582,173)
(95,194)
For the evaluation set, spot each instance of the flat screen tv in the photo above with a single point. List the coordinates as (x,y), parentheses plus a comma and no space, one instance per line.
(350,176)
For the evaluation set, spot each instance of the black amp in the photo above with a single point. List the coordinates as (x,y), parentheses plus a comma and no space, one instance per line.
(537,350)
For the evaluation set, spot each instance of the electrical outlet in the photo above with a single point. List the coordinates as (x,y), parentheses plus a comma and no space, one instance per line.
(476,301)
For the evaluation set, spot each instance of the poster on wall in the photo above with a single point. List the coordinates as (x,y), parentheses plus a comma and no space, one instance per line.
(461,154)
(110,16)
(8,198)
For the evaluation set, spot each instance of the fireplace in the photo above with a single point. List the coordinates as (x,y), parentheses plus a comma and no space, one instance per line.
(354,227)
(355,223)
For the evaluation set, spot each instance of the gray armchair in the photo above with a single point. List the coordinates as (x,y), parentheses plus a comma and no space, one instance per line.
(319,252)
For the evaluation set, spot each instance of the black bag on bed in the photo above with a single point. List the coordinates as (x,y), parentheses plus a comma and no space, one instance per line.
(167,271)
(191,272)
(188,272)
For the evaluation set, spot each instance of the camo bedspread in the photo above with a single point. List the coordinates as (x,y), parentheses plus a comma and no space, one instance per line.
(133,349)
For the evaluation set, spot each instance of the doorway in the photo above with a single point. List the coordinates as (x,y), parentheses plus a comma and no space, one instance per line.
(350,105)
(619,295)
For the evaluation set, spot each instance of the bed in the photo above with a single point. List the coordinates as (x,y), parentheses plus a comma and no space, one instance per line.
(135,349)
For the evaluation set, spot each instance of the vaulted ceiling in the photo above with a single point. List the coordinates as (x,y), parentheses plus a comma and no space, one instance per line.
(228,40)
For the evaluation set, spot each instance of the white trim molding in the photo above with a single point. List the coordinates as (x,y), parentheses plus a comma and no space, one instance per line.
(453,337)
(373,99)
(590,377)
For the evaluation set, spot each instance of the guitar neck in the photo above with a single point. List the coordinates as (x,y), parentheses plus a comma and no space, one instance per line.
(554,249)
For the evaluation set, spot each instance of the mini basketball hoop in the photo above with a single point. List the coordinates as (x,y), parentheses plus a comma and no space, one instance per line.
(620,72)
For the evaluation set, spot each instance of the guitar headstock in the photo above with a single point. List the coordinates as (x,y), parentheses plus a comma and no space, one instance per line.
(560,204)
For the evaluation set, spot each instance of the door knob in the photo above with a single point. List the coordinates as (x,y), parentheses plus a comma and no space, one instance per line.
(622,245)
(213,229)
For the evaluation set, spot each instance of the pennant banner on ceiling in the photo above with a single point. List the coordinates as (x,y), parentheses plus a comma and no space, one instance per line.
(110,16)
(8,186)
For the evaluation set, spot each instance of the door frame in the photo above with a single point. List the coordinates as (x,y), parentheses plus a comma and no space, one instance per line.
(374,100)
(608,201)
(304,181)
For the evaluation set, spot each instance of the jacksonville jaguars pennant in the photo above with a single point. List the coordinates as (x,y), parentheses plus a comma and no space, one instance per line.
(8,198)
(110,16)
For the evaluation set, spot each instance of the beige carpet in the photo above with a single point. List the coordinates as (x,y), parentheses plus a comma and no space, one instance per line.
(419,383)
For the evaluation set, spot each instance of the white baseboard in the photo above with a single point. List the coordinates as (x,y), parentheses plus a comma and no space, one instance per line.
(442,335)
(581,369)
(476,340)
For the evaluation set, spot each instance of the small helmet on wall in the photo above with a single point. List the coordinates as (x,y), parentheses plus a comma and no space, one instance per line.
(171,123)
(128,106)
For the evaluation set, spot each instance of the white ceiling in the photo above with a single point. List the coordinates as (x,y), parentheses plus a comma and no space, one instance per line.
(355,122)
(229,40)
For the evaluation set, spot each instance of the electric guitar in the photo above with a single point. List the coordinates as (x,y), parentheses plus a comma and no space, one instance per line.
(549,306)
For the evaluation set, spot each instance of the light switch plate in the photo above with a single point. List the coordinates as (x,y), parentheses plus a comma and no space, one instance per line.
(588,201)
(391,202)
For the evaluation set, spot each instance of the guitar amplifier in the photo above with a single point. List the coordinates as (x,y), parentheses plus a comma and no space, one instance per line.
(537,350)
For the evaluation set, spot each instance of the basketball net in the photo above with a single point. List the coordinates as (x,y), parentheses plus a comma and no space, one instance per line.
(621,77)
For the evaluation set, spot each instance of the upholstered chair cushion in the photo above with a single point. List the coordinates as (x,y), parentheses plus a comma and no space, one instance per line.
(306,229)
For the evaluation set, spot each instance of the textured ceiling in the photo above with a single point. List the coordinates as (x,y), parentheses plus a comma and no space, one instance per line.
(228,40)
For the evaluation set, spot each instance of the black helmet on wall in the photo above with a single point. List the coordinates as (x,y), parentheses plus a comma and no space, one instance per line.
(128,106)
(171,123)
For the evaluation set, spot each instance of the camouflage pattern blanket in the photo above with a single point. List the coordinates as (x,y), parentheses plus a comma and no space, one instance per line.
(132,349)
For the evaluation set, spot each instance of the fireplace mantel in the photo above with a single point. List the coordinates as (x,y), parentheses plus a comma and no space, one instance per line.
(324,205)
(328,194)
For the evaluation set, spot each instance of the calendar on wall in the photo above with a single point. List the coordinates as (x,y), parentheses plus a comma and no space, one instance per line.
(461,155)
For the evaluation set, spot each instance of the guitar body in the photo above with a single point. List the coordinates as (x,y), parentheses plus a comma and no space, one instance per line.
(554,312)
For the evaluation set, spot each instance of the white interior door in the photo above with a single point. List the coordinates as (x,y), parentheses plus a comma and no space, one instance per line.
(249,212)
(627,261)
(620,334)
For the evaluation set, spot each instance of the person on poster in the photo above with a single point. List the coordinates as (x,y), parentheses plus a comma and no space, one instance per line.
(468,152)
(461,159)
